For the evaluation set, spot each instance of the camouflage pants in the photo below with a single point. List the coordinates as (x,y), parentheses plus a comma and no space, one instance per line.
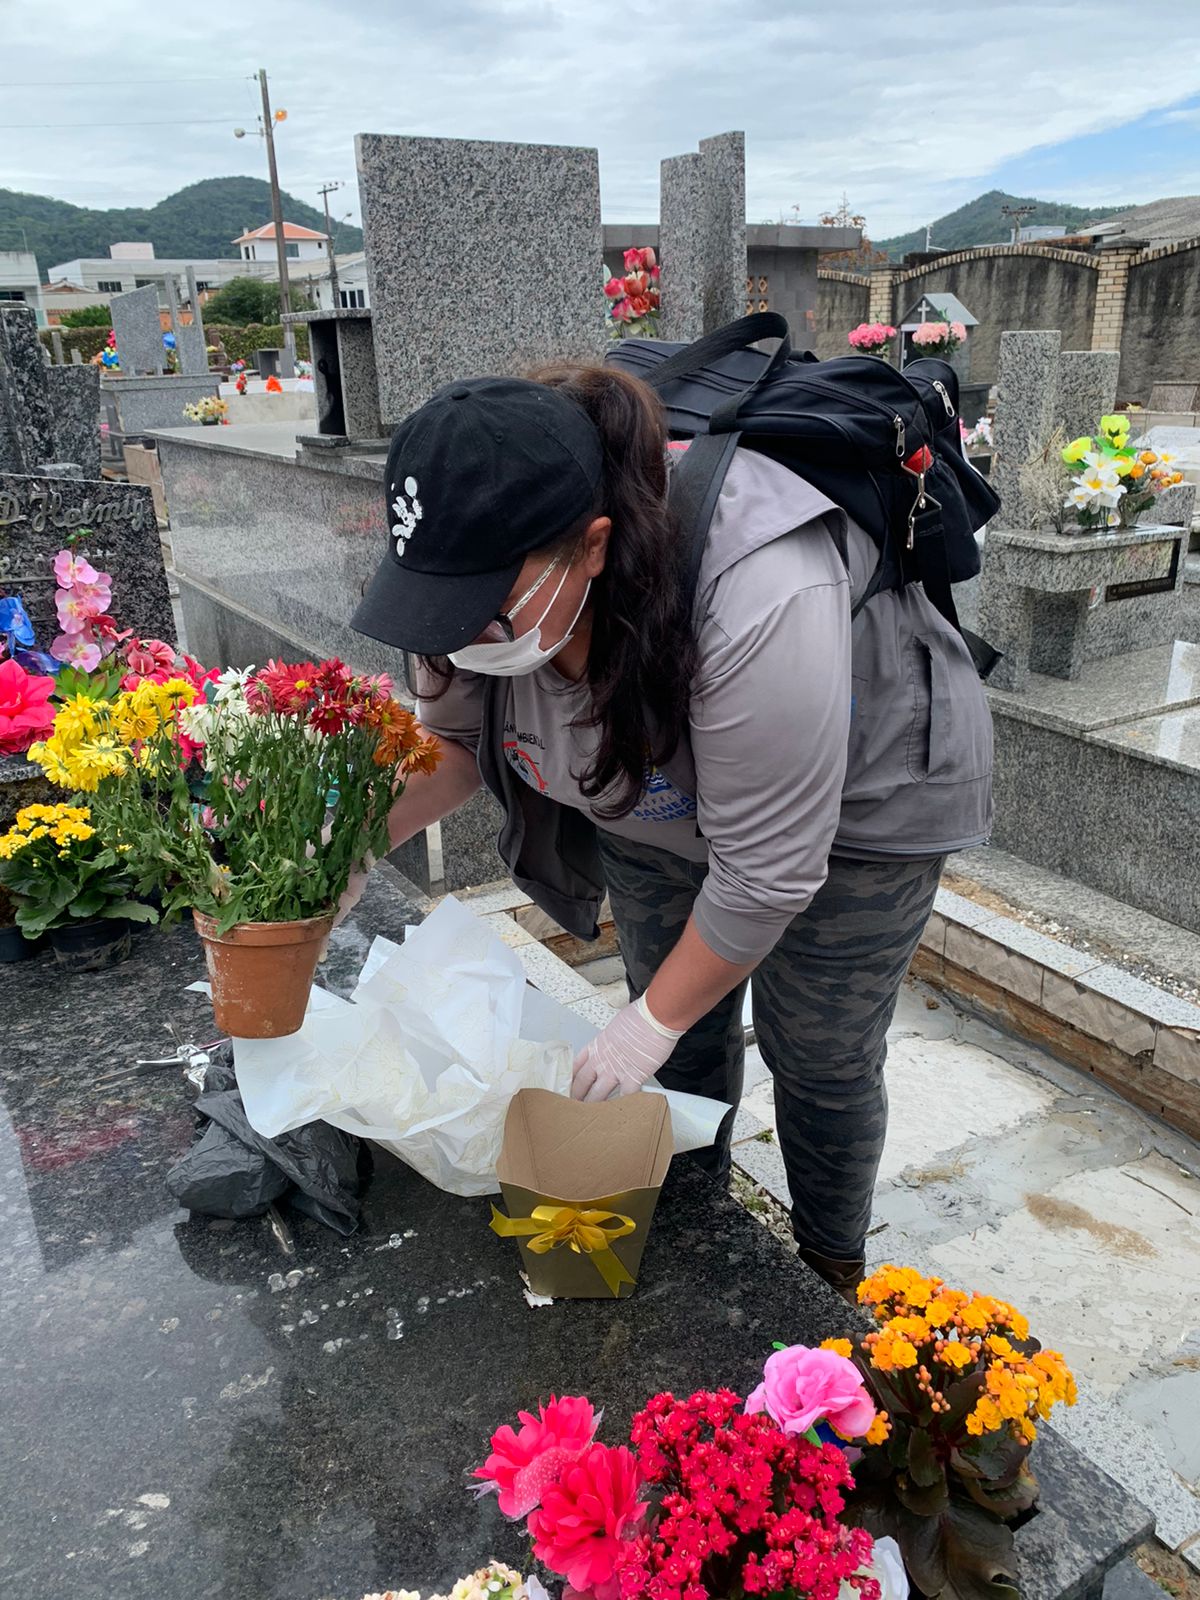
(823,1001)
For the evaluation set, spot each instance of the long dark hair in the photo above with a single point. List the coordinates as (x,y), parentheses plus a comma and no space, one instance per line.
(642,656)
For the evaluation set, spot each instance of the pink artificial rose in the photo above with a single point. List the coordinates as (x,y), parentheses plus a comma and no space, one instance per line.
(70,569)
(959,331)
(76,651)
(802,1387)
(622,311)
(524,1464)
(25,713)
(633,260)
(614,288)
(649,259)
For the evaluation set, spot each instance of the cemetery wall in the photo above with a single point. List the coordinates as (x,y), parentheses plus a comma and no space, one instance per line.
(842,302)
(1008,287)
(1160,342)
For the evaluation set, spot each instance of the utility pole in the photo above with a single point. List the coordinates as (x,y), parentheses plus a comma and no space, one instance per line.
(285,297)
(331,188)
(928,235)
(1016,216)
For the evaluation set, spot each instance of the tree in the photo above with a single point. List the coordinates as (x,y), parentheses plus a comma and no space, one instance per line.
(864,256)
(87,317)
(245,300)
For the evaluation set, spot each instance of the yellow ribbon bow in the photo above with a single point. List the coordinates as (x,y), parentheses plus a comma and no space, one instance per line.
(586,1232)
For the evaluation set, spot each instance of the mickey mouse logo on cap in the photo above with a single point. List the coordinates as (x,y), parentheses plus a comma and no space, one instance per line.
(408,513)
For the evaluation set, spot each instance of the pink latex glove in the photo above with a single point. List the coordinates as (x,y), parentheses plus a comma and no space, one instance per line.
(626,1052)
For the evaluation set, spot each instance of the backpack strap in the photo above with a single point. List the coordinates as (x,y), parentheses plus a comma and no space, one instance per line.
(696,482)
(932,569)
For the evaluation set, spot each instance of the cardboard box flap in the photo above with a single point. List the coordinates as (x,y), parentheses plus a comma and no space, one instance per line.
(573,1151)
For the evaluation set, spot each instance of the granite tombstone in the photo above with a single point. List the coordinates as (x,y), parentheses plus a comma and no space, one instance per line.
(1087,389)
(189,336)
(451,227)
(138,327)
(1026,408)
(47,413)
(111,524)
(703,237)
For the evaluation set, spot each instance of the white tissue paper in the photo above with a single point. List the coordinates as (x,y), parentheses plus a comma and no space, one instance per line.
(424,1058)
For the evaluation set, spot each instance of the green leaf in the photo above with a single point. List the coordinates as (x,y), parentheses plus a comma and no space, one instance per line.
(131,910)
(923,1500)
(924,1468)
(1007,1501)
(961,1398)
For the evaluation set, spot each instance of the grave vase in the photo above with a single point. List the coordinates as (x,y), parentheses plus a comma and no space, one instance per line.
(261,973)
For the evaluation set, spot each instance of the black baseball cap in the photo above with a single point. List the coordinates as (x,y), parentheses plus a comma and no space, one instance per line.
(486,471)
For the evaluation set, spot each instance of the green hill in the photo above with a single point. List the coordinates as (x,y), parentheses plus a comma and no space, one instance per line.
(981,221)
(197,223)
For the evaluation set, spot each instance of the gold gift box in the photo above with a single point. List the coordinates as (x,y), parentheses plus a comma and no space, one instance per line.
(581,1183)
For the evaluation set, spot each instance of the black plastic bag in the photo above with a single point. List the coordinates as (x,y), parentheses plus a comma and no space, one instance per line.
(232,1171)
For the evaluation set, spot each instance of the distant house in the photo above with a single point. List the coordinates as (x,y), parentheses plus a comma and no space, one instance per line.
(1161,222)
(300,244)
(352,295)
(20,284)
(134,266)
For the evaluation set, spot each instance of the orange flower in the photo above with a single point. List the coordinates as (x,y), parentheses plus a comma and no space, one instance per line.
(1137,470)
(954,1354)
(840,1347)
(880,1430)
(423,758)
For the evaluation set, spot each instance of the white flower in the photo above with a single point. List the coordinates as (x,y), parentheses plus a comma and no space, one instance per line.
(887,1568)
(231,685)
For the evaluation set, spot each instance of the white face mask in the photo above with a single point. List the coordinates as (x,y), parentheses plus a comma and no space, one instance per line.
(516,658)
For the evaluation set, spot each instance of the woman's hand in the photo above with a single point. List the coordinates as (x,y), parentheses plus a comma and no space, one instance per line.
(626,1052)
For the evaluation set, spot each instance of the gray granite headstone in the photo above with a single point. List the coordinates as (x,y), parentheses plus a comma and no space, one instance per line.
(76,358)
(1174,507)
(723,164)
(1173,397)
(1026,407)
(189,339)
(75,402)
(450,225)
(26,413)
(57,346)
(114,527)
(702,237)
(197,314)
(1087,389)
(682,235)
(138,328)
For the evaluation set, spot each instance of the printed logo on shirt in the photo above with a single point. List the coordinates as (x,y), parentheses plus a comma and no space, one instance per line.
(523,763)
(663,802)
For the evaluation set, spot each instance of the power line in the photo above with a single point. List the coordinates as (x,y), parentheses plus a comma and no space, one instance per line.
(124,83)
(170,122)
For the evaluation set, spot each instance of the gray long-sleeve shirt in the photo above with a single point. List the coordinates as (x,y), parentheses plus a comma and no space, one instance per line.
(804,729)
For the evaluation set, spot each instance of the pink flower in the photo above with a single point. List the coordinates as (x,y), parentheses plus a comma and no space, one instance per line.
(145,657)
(615,288)
(69,570)
(958,330)
(25,715)
(585,1516)
(633,260)
(931,333)
(802,1387)
(77,651)
(523,1464)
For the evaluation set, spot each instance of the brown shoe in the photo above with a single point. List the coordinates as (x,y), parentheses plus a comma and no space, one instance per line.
(844,1276)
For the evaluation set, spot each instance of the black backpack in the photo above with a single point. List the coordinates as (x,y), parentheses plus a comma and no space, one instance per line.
(882,444)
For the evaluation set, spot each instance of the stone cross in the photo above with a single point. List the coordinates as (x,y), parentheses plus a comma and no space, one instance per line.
(702,237)
(481,258)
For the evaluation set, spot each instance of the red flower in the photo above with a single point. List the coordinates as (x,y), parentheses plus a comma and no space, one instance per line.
(587,1515)
(523,1464)
(288,688)
(329,717)
(146,658)
(25,715)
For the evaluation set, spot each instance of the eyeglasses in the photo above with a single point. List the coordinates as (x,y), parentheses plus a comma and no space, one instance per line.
(504,620)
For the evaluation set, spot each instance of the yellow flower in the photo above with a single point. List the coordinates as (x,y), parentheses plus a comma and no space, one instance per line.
(1076,450)
(985,1418)
(1115,427)
(136,720)
(954,1354)
(880,1430)
(840,1347)
(975,1316)
(51,756)
(11,842)
(99,758)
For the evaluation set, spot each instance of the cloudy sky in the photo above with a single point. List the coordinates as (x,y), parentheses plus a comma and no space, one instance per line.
(909,110)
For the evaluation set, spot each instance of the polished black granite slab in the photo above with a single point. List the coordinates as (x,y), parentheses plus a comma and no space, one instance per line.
(242,1411)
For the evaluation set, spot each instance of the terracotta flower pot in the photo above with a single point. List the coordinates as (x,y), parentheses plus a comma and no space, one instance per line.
(261,973)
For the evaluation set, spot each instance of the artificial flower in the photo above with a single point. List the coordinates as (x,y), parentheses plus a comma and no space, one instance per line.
(70,569)
(524,1462)
(802,1387)
(584,1516)
(25,713)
